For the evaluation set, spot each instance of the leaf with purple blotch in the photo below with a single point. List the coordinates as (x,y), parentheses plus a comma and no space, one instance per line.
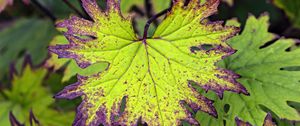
(151,76)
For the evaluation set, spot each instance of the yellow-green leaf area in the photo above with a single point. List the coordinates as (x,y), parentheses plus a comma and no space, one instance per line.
(69,66)
(153,75)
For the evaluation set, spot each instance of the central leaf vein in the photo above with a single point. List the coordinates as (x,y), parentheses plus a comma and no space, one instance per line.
(154,84)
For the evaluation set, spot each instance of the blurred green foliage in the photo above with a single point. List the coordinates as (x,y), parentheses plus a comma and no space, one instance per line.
(25,37)
(27,92)
(291,8)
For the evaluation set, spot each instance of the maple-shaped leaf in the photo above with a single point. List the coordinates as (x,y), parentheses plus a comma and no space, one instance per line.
(70,67)
(264,63)
(267,122)
(27,93)
(154,74)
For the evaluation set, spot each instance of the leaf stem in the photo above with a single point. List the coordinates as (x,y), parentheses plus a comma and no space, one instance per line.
(149,11)
(70,5)
(44,10)
(153,18)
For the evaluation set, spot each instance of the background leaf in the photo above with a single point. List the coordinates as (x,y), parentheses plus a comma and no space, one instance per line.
(291,8)
(60,9)
(146,72)
(25,36)
(260,60)
(26,94)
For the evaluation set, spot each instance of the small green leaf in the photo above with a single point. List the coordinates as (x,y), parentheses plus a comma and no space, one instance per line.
(154,74)
(262,65)
(27,93)
(233,22)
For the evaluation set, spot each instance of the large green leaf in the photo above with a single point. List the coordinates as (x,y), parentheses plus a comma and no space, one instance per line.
(27,93)
(25,36)
(59,8)
(291,8)
(153,75)
(263,73)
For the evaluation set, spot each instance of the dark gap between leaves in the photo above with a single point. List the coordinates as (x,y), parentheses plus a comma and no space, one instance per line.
(226,108)
(267,110)
(224,122)
(268,43)
(86,37)
(290,68)
(21,53)
(204,47)
(295,105)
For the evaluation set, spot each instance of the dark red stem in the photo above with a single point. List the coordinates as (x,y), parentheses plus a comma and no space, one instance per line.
(153,18)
